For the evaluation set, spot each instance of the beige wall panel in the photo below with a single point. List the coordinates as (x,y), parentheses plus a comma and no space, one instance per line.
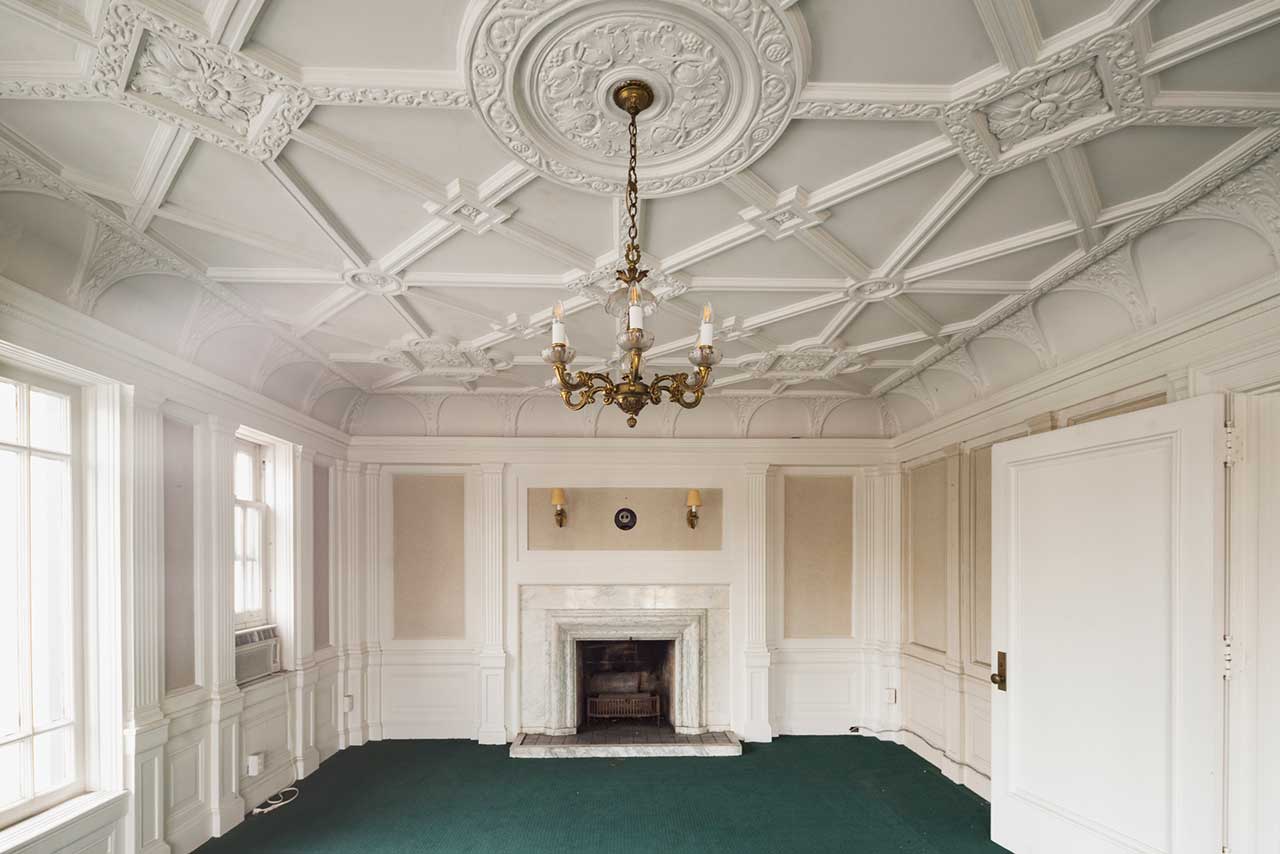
(660,520)
(927,554)
(428,542)
(818,557)
(179,556)
(980,478)
(320,552)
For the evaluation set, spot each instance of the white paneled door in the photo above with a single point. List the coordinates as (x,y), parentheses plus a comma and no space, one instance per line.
(1108,605)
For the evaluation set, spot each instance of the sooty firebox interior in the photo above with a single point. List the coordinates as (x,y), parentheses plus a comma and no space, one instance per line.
(624,681)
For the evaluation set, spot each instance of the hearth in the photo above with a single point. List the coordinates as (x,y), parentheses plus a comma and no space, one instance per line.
(623,682)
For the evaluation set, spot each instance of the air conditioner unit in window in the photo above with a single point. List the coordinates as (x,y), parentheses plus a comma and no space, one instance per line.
(257,653)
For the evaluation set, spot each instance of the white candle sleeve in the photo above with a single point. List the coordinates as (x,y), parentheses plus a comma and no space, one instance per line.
(705,333)
(635,317)
(557,333)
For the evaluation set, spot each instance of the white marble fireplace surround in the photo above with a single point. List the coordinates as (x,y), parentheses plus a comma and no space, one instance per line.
(553,618)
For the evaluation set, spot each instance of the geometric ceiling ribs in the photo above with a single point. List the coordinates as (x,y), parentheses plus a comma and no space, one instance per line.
(798,256)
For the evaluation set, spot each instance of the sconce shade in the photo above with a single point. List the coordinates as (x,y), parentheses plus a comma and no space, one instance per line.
(694,499)
(557,497)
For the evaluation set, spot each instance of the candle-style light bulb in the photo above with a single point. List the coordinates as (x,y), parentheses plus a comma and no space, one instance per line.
(557,325)
(635,312)
(706,331)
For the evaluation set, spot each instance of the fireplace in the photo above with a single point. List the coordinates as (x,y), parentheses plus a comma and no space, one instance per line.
(624,681)
(690,623)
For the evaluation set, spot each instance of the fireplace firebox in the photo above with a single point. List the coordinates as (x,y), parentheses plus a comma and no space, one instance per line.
(624,680)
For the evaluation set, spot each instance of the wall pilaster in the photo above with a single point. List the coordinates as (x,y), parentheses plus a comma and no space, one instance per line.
(493,655)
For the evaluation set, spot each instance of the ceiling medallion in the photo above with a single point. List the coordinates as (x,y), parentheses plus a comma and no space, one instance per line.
(875,290)
(632,301)
(374,282)
(725,76)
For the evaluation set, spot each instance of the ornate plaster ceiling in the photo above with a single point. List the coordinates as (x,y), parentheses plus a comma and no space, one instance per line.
(895,208)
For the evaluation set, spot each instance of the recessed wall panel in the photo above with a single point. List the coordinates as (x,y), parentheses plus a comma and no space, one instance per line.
(818,557)
(429,554)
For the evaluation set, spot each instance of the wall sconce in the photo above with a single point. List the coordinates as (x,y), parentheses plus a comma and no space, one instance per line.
(557,498)
(694,501)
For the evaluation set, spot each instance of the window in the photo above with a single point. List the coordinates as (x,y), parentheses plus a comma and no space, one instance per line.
(39,650)
(252,578)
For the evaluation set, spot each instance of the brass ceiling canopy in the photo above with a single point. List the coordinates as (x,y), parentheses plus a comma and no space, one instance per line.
(633,96)
(631,301)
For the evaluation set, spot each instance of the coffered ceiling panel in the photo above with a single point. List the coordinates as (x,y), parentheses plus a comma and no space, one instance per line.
(894,208)
(1054,16)
(403,34)
(225,253)
(815,154)
(677,223)
(1021,266)
(375,215)
(923,41)
(1170,17)
(874,224)
(1017,202)
(764,257)
(112,155)
(442,145)
(1248,65)
(1139,161)
(210,192)
(486,255)
(22,41)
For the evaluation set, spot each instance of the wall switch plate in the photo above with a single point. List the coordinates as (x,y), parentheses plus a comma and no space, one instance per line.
(891,696)
(348,703)
(254,763)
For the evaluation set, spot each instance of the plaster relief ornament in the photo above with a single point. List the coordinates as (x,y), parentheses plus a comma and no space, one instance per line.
(1047,106)
(172,70)
(725,75)
(374,282)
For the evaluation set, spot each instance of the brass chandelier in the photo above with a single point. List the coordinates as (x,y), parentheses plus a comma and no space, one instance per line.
(630,301)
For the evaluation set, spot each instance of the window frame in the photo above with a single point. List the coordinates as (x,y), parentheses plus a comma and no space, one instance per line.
(261,504)
(27,381)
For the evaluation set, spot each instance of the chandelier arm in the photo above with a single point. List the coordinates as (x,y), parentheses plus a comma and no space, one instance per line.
(678,386)
(586,384)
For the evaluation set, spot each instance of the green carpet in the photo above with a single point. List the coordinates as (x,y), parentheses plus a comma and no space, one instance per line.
(798,794)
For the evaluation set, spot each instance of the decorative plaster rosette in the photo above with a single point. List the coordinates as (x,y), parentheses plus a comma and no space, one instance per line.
(874,290)
(374,282)
(726,75)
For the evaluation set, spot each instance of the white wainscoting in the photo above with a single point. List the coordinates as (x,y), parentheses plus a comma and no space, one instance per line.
(186,799)
(264,728)
(947,720)
(429,693)
(327,703)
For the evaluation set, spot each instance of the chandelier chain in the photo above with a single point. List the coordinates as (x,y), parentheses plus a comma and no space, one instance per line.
(633,203)
(631,394)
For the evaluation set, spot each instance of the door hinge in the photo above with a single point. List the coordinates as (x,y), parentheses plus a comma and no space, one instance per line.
(1226,657)
(1231,448)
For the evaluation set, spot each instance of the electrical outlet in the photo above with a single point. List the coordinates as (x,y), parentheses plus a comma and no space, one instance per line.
(348,703)
(891,696)
(254,763)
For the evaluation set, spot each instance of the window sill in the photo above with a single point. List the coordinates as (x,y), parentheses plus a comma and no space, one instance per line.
(65,823)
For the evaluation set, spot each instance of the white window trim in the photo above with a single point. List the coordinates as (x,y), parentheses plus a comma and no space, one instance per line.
(263,503)
(20,374)
(105,444)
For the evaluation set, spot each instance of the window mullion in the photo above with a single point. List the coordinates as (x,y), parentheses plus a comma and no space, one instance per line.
(26,685)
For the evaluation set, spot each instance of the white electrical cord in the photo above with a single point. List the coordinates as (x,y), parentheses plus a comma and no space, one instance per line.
(277,800)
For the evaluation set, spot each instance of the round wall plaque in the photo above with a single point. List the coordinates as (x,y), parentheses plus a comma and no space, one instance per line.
(625,519)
